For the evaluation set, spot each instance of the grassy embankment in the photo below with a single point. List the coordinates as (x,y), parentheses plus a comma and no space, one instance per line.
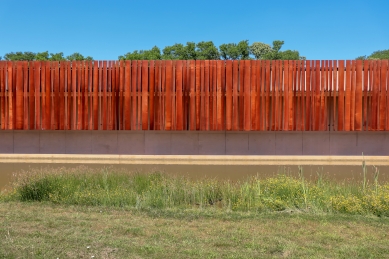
(121,215)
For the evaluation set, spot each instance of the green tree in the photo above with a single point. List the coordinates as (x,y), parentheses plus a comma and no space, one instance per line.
(42,56)
(259,49)
(78,57)
(180,52)
(20,56)
(206,50)
(57,56)
(153,54)
(277,54)
(235,51)
(379,54)
(244,49)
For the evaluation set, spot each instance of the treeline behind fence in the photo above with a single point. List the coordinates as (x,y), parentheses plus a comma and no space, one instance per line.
(249,95)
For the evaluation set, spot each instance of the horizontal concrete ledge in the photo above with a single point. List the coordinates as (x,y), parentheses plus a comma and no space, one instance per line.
(193,160)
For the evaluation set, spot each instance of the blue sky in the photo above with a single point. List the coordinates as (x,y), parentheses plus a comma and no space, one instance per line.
(341,29)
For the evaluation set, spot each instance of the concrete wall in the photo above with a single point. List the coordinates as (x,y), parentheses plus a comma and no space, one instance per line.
(194,143)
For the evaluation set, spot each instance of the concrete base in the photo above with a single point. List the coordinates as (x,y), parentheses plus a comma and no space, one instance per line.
(195,143)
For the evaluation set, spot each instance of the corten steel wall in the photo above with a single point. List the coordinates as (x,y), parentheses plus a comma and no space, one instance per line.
(195,95)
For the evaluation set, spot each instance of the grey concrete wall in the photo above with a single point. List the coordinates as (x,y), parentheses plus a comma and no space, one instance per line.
(194,143)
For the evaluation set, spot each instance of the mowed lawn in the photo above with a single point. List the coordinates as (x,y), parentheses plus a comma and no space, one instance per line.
(46,230)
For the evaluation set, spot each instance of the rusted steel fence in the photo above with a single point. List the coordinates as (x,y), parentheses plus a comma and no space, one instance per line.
(203,95)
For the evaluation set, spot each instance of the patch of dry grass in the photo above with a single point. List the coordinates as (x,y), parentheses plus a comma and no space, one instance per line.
(44,230)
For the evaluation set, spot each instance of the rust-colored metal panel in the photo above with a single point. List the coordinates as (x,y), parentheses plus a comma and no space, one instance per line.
(79,94)
(179,98)
(278,102)
(2,96)
(286,96)
(211,96)
(273,94)
(257,95)
(10,93)
(192,106)
(292,95)
(157,103)
(168,100)
(253,95)
(323,88)
(134,72)
(88,95)
(163,95)
(263,94)
(145,85)
(151,93)
(25,94)
(335,93)
(31,90)
(308,102)
(302,95)
(117,118)
(245,88)
(375,95)
(185,93)
(95,102)
(347,116)
(109,95)
(73,95)
(317,95)
(219,108)
(121,95)
(174,93)
(358,96)
(198,87)
(267,99)
(104,122)
(331,97)
(235,95)
(37,79)
(14,93)
(127,96)
(19,96)
(341,95)
(385,86)
(48,78)
(229,95)
(382,101)
(112,96)
(55,101)
(207,94)
(62,76)
(353,90)
(139,95)
(298,96)
(203,125)
(68,98)
(366,90)
(223,97)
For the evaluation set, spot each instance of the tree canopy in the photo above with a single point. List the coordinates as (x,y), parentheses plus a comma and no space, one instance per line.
(379,54)
(203,50)
(43,56)
(206,50)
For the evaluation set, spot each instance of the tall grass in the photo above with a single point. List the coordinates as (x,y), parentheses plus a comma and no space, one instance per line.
(107,187)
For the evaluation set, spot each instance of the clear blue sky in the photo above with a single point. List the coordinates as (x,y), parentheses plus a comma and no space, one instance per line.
(330,29)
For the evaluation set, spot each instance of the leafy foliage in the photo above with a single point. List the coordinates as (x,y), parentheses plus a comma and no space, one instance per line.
(206,50)
(43,56)
(379,54)
(235,51)
(259,49)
